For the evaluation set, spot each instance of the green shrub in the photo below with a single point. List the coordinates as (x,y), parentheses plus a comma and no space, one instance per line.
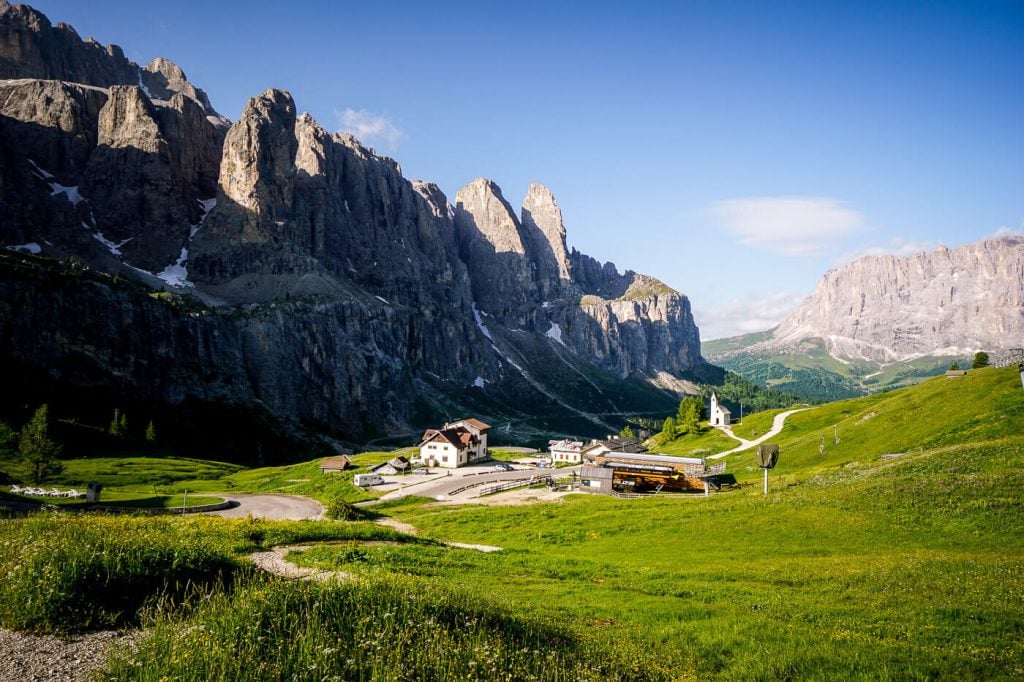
(64,573)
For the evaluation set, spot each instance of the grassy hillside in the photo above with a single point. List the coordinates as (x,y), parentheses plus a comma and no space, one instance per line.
(853,566)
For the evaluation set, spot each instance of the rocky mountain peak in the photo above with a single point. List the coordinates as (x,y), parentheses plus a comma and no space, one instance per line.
(163,79)
(491,244)
(943,302)
(482,211)
(542,226)
(257,165)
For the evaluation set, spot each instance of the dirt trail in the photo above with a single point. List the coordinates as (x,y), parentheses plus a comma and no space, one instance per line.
(412,530)
(274,562)
(777,423)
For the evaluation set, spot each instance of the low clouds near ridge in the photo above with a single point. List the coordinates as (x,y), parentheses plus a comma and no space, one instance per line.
(368,127)
(787,225)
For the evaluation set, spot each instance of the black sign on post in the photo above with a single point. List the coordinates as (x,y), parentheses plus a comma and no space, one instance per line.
(767,455)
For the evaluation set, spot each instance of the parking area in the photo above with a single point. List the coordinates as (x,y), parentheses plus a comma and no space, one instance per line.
(461,483)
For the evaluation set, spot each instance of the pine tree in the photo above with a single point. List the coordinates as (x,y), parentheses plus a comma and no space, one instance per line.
(668,430)
(980,360)
(627,432)
(37,449)
(119,424)
(8,442)
(150,432)
(688,416)
(955,366)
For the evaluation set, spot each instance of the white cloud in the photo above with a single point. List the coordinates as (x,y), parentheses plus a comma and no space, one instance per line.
(747,315)
(367,127)
(1008,232)
(897,246)
(792,226)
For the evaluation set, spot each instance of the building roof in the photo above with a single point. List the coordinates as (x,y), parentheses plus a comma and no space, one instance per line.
(340,462)
(596,473)
(617,444)
(475,423)
(722,408)
(565,445)
(396,463)
(655,457)
(459,437)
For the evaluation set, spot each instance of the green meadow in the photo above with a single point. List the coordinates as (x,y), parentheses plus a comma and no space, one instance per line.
(897,553)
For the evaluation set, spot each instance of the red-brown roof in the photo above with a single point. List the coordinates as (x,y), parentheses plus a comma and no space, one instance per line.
(342,462)
(459,437)
(476,424)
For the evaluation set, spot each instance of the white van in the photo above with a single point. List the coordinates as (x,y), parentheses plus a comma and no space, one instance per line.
(364,480)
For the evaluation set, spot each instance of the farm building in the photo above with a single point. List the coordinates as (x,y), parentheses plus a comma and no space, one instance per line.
(640,471)
(596,480)
(719,415)
(332,464)
(597,448)
(455,444)
(398,465)
(566,451)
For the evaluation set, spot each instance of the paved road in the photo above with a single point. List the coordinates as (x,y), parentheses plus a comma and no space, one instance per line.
(777,423)
(448,487)
(280,507)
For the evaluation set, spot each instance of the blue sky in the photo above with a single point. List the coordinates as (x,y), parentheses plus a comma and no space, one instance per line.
(736,150)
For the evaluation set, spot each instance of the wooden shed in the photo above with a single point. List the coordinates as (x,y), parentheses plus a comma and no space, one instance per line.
(398,465)
(333,464)
(596,480)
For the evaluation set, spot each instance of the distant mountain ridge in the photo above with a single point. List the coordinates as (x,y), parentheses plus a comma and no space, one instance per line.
(308,280)
(884,321)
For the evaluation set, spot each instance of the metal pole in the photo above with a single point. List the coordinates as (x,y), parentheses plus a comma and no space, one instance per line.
(1020,368)
(766,481)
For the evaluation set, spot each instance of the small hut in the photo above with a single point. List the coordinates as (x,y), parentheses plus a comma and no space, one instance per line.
(398,465)
(335,464)
(596,480)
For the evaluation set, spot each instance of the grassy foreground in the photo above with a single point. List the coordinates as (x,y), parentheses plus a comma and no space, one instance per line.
(854,567)
(69,573)
(395,628)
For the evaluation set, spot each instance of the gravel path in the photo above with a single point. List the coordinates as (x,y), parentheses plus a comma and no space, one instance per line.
(274,562)
(777,423)
(47,658)
(411,530)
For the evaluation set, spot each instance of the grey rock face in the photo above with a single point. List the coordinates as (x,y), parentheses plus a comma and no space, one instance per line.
(492,246)
(345,297)
(522,274)
(946,302)
(164,79)
(542,225)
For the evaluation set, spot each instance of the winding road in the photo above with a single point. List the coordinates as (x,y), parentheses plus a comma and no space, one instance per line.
(777,423)
(278,507)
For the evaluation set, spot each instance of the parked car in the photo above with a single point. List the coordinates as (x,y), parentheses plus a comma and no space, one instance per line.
(421,471)
(503,466)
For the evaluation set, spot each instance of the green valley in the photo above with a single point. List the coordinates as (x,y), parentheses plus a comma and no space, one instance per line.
(894,554)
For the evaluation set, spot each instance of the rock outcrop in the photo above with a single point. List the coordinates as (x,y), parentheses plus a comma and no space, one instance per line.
(947,302)
(337,296)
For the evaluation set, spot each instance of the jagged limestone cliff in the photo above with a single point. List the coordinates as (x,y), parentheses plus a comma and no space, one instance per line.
(336,295)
